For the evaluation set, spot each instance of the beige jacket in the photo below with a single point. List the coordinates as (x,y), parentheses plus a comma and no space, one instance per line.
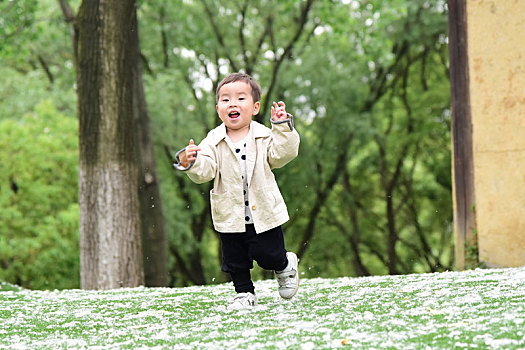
(266,149)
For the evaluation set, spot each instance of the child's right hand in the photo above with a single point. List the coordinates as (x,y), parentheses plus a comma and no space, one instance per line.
(189,155)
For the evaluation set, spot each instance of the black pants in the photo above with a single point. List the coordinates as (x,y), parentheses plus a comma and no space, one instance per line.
(239,250)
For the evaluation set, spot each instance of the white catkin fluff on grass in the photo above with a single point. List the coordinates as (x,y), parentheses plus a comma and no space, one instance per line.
(480,308)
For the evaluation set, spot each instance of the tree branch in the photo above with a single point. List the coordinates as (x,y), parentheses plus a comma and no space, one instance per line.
(70,17)
(372,249)
(181,265)
(198,103)
(45,67)
(9,6)
(243,11)
(286,55)
(219,35)
(322,196)
(355,236)
(267,29)
(67,11)
(379,87)
(164,37)
(145,63)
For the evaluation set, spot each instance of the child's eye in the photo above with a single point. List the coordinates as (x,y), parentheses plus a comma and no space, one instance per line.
(241,98)
(225,100)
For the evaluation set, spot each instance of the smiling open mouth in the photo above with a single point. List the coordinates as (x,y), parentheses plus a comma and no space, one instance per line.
(234,115)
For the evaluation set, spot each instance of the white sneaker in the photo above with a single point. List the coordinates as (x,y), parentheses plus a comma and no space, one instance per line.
(243,301)
(288,278)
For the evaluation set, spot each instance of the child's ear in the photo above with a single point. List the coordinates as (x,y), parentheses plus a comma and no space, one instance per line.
(217,107)
(256,107)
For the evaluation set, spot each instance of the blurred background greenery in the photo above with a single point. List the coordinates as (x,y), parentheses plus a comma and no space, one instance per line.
(367,82)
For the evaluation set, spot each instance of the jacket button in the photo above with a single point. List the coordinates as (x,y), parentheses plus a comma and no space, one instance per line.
(253,207)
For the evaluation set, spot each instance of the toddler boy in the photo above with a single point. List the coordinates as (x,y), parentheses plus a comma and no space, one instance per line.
(246,204)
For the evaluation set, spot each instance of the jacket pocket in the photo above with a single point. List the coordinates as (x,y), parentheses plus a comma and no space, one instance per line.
(219,203)
(270,200)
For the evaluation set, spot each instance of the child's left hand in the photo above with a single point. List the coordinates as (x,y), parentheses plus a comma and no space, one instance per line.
(279,111)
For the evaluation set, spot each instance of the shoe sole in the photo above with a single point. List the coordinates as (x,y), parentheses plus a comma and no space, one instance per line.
(296,262)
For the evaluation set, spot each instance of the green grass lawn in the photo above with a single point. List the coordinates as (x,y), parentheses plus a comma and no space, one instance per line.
(473,309)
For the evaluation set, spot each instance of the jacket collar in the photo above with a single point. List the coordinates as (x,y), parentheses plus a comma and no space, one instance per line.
(256,129)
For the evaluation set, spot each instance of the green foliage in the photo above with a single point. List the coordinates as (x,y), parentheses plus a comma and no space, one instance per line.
(37,59)
(367,82)
(39,199)
(365,78)
(16,18)
(335,86)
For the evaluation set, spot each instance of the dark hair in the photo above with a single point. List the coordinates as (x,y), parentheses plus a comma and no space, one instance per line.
(256,88)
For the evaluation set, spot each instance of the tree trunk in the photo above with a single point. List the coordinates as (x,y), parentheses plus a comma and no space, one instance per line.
(151,214)
(110,232)
(462,149)
(392,234)
(355,236)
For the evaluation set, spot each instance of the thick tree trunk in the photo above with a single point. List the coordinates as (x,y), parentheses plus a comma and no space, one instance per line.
(110,232)
(151,214)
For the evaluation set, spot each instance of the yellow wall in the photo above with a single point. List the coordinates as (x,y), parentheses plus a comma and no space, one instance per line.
(496,51)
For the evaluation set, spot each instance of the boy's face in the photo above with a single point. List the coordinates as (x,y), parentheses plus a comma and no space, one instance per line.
(236,106)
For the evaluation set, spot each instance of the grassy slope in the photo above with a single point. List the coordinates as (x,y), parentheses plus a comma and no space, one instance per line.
(482,308)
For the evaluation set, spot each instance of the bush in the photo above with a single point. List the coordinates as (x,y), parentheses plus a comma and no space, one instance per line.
(39,200)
